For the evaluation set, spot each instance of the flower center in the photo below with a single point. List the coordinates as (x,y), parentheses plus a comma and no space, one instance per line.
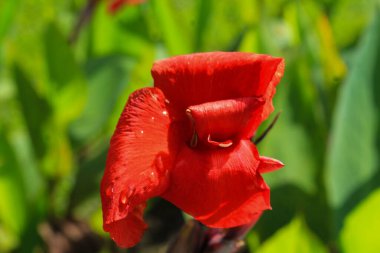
(215,143)
(222,123)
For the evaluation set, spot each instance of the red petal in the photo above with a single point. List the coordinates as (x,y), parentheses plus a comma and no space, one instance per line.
(205,77)
(138,158)
(117,4)
(227,119)
(268,164)
(127,232)
(220,187)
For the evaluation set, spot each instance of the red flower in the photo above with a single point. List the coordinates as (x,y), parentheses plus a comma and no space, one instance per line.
(188,141)
(116,4)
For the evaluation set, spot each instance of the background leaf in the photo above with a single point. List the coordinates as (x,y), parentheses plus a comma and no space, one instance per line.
(13,213)
(107,78)
(293,238)
(58,54)
(359,233)
(7,10)
(36,110)
(169,23)
(352,158)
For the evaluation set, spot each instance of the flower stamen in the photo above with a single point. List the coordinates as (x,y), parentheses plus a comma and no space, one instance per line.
(224,144)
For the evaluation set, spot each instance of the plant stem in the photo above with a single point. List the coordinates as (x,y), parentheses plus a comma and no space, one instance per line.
(82,20)
(195,238)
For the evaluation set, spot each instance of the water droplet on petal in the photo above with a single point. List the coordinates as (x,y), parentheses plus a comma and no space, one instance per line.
(139,133)
(152,118)
(165,113)
(167,101)
(152,179)
(154,96)
(125,196)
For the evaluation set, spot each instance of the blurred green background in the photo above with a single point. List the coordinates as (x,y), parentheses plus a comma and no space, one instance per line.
(60,101)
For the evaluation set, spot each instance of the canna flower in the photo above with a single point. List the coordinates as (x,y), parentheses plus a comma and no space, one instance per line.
(114,5)
(188,140)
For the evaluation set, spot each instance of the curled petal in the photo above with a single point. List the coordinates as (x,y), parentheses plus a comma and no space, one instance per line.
(138,160)
(220,187)
(268,164)
(128,231)
(227,119)
(206,77)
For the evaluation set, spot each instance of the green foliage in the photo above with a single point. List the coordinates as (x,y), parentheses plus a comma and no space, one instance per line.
(107,78)
(349,17)
(360,231)
(352,159)
(13,202)
(60,101)
(293,238)
(35,109)
(172,34)
(7,9)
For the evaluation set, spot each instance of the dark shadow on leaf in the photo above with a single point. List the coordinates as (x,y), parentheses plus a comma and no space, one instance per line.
(87,182)
(288,201)
(35,108)
(358,196)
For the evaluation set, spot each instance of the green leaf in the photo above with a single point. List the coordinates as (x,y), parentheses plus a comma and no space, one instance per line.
(32,178)
(91,172)
(7,11)
(69,102)
(25,47)
(107,78)
(169,22)
(361,227)
(250,41)
(275,7)
(222,24)
(293,238)
(61,64)
(8,240)
(13,202)
(353,155)
(204,8)
(122,33)
(67,83)
(346,28)
(35,109)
